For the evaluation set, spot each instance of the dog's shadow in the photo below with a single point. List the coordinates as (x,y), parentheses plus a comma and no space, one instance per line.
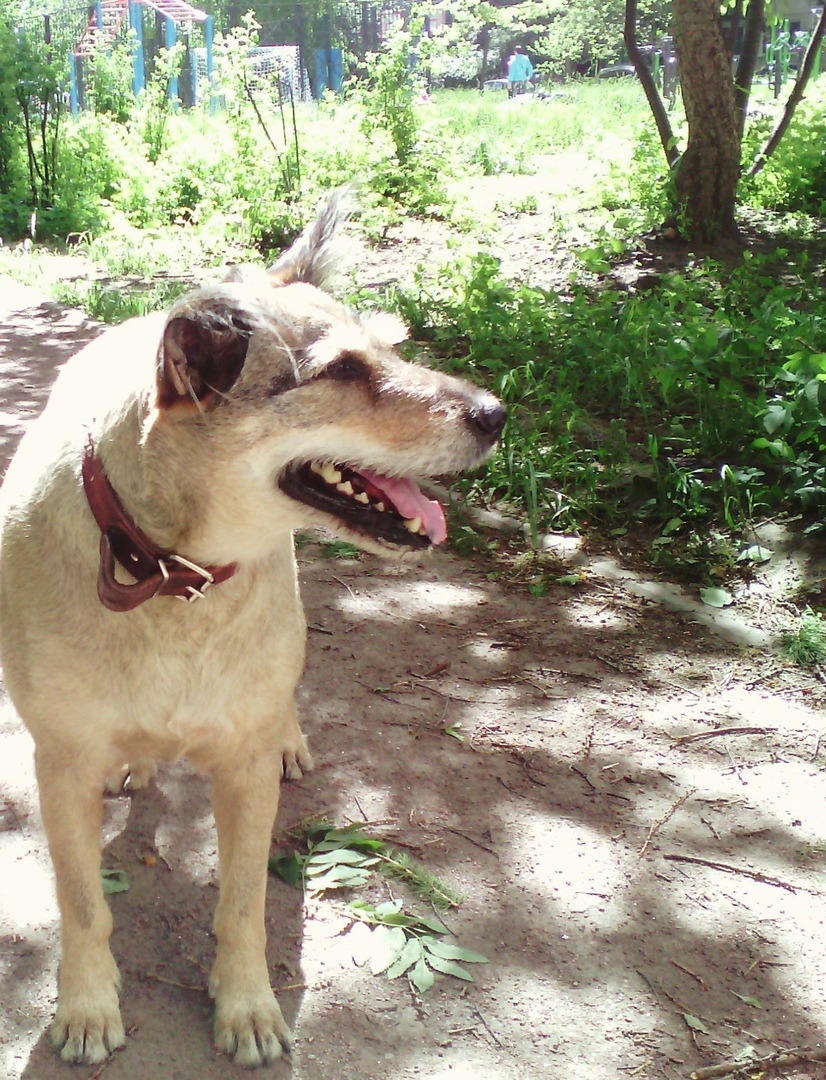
(164,844)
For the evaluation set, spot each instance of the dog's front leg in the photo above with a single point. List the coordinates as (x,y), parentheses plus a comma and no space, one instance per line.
(87,1024)
(248,1021)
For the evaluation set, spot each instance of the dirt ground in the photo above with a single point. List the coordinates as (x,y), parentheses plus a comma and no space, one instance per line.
(634,816)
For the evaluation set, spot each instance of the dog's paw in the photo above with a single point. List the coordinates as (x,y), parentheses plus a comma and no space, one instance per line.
(253,1031)
(86,1032)
(296,759)
(131,777)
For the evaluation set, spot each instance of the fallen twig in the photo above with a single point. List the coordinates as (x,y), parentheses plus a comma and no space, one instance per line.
(713,732)
(669,813)
(171,982)
(470,840)
(688,971)
(767,879)
(488,1028)
(771,1061)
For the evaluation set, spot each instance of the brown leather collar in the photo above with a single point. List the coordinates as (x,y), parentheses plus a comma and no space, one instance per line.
(157,572)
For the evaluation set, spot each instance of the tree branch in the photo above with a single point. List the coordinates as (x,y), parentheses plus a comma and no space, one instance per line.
(806,69)
(752,40)
(647,82)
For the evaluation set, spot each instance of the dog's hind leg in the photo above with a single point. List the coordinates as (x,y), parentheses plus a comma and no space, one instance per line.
(248,1021)
(87,1024)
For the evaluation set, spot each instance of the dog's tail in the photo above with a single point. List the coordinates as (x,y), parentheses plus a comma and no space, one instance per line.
(312,257)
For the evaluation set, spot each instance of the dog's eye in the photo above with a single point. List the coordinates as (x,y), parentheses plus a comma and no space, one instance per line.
(347,367)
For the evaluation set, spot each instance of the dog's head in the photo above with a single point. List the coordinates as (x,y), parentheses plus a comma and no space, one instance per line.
(315,414)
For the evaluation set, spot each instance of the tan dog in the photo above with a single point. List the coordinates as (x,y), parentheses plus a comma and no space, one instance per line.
(176,452)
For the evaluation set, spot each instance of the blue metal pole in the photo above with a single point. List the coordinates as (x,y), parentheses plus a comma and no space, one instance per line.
(170,37)
(99,25)
(73,84)
(209,36)
(138,63)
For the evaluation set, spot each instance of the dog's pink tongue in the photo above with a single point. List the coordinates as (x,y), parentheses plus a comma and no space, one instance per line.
(410,503)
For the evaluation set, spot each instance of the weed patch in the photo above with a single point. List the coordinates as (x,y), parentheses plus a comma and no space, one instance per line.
(697,405)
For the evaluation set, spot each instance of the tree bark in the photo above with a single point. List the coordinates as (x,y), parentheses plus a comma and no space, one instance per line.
(707,174)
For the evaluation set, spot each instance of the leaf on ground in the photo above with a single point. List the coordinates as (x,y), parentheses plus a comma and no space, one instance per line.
(695,1024)
(755,1004)
(339,877)
(289,868)
(411,954)
(755,554)
(422,977)
(388,944)
(446,951)
(449,967)
(320,860)
(715,597)
(114,881)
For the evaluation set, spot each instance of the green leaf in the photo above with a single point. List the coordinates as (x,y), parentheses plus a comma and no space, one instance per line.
(695,1024)
(289,868)
(454,732)
(449,967)
(351,836)
(319,860)
(388,944)
(339,877)
(422,977)
(718,598)
(446,951)
(568,579)
(411,954)
(755,1004)
(114,881)
(755,554)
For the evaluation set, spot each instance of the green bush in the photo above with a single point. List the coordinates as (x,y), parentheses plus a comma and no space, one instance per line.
(647,406)
(794,177)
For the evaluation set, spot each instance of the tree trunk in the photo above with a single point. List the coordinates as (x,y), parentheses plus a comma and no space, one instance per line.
(707,174)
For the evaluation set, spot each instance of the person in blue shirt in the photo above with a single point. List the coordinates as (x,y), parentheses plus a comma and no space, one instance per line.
(520,70)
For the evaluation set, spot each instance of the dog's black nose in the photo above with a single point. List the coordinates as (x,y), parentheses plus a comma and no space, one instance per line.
(489,419)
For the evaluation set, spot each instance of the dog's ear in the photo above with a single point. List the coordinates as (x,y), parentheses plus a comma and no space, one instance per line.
(312,257)
(200,357)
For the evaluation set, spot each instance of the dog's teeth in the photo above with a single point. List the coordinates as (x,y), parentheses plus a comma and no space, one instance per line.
(380,507)
(330,473)
(346,488)
(413,525)
(316,468)
(362,497)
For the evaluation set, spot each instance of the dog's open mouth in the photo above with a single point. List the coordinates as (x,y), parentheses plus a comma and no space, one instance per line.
(387,508)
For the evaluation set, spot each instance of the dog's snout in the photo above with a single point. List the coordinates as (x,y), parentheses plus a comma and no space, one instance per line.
(488,418)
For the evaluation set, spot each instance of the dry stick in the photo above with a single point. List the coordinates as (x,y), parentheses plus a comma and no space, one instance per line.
(772,1061)
(470,840)
(669,813)
(734,765)
(714,732)
(488,1028)
(693,974)
(765,878)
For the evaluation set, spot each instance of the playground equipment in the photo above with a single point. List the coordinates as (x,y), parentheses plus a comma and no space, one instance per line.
(106,20)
